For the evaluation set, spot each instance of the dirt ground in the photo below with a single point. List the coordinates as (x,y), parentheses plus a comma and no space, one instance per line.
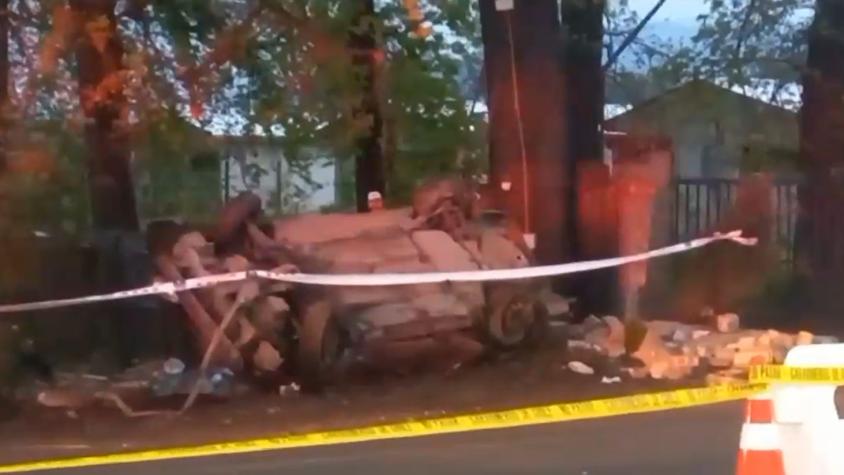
(529,377)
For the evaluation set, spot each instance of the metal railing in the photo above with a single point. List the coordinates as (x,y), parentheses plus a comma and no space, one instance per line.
(700,204)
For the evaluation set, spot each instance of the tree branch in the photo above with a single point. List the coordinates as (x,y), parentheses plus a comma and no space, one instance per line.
(633,34)
(741,31)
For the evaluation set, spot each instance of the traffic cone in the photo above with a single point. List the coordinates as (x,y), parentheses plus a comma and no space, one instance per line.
(759,448)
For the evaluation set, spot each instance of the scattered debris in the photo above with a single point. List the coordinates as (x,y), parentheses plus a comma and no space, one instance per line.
(681,335)
(267,358)
(746,358)
(637,373)
(580,368)
(592,322)
(727,323)
(674,350)
(615,340)
(583,345)
(289,389)
(608,380)
(66,398)
(731,376)
(696,334)
(805,338)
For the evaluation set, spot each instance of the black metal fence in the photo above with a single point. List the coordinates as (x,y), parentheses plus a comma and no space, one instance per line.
(699,204)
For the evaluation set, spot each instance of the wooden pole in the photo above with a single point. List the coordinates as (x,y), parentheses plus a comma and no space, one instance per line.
(527,132)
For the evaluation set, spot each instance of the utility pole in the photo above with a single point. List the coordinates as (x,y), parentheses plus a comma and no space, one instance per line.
(583,74)
(583,30)
(528,135)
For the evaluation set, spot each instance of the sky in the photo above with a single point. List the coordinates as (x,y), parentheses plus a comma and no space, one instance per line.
(682,11)
(675,19)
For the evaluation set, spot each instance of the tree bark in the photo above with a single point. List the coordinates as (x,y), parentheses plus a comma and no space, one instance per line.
(369,162)
(583,32)
(822,146)
(99,56)
(533,82)
(583,29)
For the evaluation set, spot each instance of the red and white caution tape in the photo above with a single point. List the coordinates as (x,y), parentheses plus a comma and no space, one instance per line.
(371,280)
(162,288)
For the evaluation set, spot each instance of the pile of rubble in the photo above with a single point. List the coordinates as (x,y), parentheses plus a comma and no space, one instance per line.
(718,350)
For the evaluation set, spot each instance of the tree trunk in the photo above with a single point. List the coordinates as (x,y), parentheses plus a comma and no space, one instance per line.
(4,78)
(526,97)
(583,29)
(369,162)
(99,54)
(822,147)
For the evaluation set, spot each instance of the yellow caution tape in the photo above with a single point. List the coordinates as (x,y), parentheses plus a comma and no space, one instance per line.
(767,374)
(641,403)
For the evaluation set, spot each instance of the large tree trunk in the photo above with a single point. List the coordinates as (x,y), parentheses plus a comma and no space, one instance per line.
(369,162)
(822,148)
(99,58)
(99,54)
(583,33)
(583,29)
(531,90)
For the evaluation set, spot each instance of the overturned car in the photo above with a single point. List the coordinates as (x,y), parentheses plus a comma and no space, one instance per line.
(306,329)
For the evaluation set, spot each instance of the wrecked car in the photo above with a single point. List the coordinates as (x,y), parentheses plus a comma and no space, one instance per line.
(308,328)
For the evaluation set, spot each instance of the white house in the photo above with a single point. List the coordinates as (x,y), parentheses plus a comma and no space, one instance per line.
(258,164)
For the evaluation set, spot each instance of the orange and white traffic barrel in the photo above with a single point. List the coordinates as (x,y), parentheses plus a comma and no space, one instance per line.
(760,452)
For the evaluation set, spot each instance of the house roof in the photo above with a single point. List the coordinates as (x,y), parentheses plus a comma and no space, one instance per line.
(692,88)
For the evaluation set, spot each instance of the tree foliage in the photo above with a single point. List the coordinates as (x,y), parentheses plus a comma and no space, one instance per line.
(756,46)
(277,68)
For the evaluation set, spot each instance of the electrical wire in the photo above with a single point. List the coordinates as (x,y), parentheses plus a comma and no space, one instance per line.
(517,106)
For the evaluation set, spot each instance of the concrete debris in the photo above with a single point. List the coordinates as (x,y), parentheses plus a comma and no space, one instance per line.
(614,379)
(696,334)
(580,368)
(558,306)
(672,350)
(591,322)
(652,350)
(804,338)
(681,335)
(732,376)
(747,343)
(289,389)
(66,398)
(746,358)
(637,373)
(267,358)
(720,357)
(583,345)
(598,337)
(727,323)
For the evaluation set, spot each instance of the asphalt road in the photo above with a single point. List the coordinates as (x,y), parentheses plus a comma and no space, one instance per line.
(701,440)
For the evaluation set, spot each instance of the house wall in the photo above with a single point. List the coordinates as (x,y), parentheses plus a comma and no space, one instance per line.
(711,128)
(283,187)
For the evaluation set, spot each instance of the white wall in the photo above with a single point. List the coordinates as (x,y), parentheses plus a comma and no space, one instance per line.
(262,169)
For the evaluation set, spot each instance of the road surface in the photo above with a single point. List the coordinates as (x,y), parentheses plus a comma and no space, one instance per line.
(701,440)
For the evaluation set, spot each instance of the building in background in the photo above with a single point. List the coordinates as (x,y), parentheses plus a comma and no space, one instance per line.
(258,164)
(716,132)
